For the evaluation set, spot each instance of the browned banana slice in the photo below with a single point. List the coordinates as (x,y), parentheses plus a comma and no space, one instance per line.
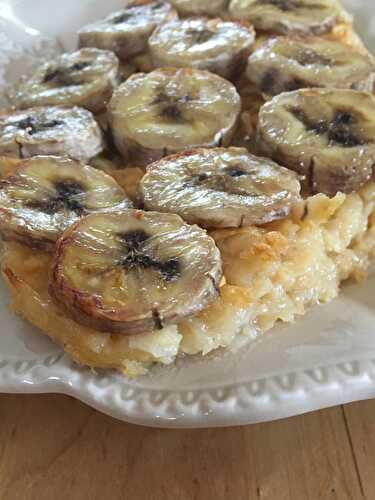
(84,78)
(171,110)
(326,135)
(134,271)
(50,130)
(289,63)
(220,188)
(46,194)
(212,44)
(126,32)
(308,17)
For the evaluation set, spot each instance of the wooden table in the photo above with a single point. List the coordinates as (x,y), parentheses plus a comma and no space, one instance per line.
(53,447)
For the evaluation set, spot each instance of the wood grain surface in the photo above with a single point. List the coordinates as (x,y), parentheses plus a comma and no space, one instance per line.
(53,447)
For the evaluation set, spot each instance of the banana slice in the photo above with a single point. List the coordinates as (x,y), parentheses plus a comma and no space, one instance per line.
(126,32)
(212,44)
(313,17)
(326,135)
(134,271)
(187,8)
(220,188)
(46,194)
(50,130)
(170,110)
(84,78)
(289,63)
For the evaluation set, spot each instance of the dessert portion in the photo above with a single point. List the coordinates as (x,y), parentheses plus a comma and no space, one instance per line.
(272,273)
(173,241)
(170,110)
(83,78)
(50,130)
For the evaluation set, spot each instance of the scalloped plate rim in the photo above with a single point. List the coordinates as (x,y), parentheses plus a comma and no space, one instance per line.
(255,401)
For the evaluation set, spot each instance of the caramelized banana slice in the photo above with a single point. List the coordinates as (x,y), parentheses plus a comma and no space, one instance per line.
(326,135)
(50,130)
(170,110)
(46,194)
(84,78)
(220,188)
(126,32)
(308,17)
(218,46)
(289,63)
(134,271)
(187,8)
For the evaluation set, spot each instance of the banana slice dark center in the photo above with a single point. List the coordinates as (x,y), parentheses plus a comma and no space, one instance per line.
(135,11)
(66,197)
(170,105)
(271,79)
(33,126)
(199,35)
(134,243)
(288,5)
(235,172)
(122,18)
(156,6)
(304,57)
(338,131)
(307,57)
(63,75)
(226,181)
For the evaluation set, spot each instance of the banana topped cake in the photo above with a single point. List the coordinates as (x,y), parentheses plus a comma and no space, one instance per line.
(192,174)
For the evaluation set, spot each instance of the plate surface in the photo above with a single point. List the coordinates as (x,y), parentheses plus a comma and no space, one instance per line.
(325,358)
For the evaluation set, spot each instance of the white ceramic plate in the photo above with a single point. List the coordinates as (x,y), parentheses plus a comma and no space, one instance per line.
(326,358)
